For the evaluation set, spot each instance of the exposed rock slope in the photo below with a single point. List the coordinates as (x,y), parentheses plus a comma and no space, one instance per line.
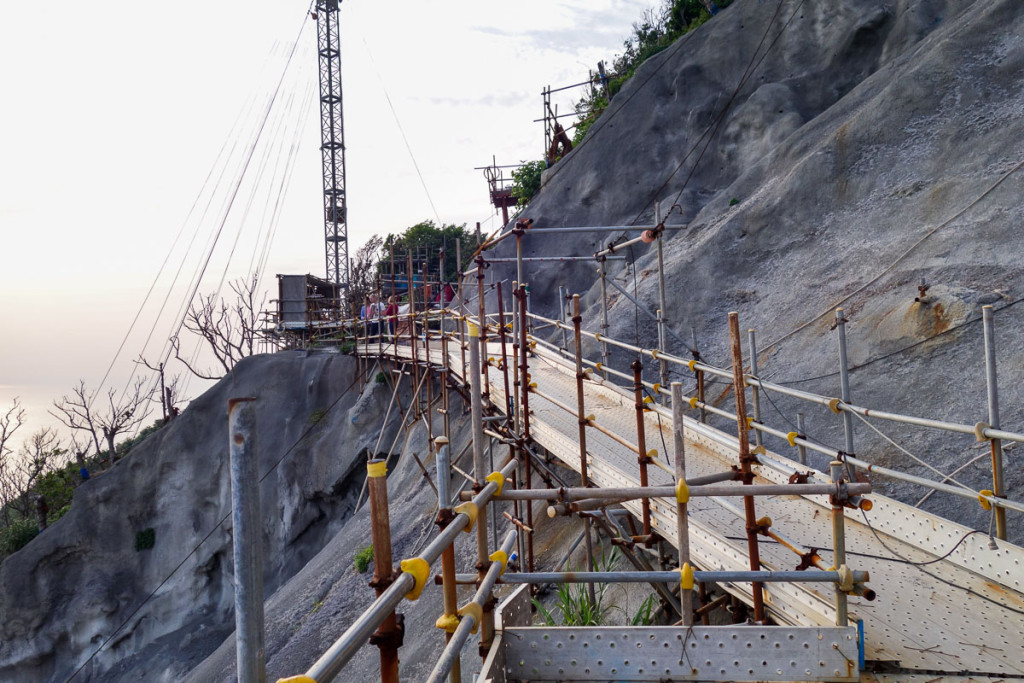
(65,593)
(871,145)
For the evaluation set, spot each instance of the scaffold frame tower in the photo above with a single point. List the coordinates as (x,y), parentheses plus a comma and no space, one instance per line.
(332,147)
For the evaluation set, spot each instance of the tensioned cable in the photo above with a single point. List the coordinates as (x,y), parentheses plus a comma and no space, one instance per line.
(238,183)
(401,130)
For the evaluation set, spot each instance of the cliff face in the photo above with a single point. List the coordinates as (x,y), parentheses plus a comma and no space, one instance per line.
(65,593)
(869,146)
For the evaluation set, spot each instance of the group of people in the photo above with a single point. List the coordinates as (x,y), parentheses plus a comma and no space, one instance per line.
(375,316)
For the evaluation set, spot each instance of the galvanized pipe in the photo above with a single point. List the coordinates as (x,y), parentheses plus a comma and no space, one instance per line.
(467,624)
(612,249)
(573,494)
(844,384)
(250,649)
(801,449)
(755,397)
(992,386)
(682,519)
(527,259)
(838,541)
(646,311)
(343,649)
(524,373)
(944,488)
(562,294)
(724,576)
(476,409)
(602,228)
(581,418)
(604,312)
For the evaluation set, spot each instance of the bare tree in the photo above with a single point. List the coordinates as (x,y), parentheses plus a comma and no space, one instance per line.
(10,422)
(170,397)
(365,278)
(41,453)
(229,328)
(115,416)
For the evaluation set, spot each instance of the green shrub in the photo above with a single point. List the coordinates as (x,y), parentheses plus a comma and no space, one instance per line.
(17,535)
(363,558)
(526,180)
(316,416)
(145,539)
(381,378)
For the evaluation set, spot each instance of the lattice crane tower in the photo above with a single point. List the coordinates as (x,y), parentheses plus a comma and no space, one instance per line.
(332,147)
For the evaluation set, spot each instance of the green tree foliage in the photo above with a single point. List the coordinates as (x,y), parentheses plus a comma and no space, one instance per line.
(526,181)
(430,239)
(656,30)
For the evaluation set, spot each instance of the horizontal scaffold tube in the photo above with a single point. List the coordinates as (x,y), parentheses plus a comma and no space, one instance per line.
(945,488)
(727,576)
(338,655)
(699,491)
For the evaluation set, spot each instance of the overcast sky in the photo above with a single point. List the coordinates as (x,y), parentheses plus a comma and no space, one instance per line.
(115,113)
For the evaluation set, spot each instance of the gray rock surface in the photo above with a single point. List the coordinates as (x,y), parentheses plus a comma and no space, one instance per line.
(66,592)
(872,144)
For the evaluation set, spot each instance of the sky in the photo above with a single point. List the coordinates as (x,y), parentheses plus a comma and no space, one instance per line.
(124,128)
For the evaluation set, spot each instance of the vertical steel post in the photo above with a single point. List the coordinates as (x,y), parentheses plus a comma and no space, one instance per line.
(504,357)
(743,429)
(247,544)
(801,428)
(524,374)
(388,635)
(516,410)
(561,312)
(662,300)
(412,336)
(844,383)
(477,418)
(444,517)
(682,521)
(699,375)
(641,440)
(604,315)
(839,541)
(581,416)
(754,395)
(426,361)
(480,264)
(998,486)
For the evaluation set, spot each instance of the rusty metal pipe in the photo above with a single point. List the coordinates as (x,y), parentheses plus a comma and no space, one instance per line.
(388,635)
(641,439)
(745,461)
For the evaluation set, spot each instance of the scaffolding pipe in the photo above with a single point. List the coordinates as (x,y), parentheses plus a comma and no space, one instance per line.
(746,460)
(343,649)
(387,638)
(754,395)
(468,622)
(682,520)
(250,650)
(991,383)
(574,494)
(672,577)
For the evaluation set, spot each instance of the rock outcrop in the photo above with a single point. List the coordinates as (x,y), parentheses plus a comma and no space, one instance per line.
(69,591)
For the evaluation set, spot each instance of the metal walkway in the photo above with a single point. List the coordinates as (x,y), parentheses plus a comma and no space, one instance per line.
(956,618)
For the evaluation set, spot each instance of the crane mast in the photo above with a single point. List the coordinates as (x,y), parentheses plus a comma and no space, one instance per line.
(332,147)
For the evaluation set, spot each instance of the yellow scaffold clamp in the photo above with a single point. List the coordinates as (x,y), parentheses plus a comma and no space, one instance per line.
(474,610)
(985,503)
(682,492)
(376,469)
(498,478)
(599,366)
(750,422)
(418,568)
(693,402)
(469,509)
(499,556)
(791,437)
(686,577)
(692,365)
(447,622)
(845,578)
(653,453)
(657,387)
(473,330)
(833,405)
(648,399)
(654,354)
(296,679)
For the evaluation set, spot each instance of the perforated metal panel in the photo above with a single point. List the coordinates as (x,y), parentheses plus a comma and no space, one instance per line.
(706,653)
